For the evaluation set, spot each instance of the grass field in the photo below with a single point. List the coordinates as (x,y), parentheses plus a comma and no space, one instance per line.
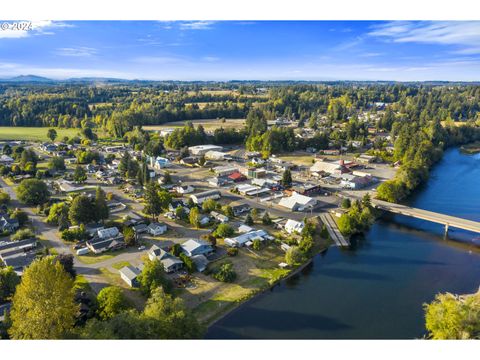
(208,124)
(32,133)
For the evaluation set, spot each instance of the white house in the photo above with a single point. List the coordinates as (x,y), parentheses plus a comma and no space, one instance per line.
(184,189)
(159,163)
(200,150)
(194,247)
(293,226)
(156,229)
(201,197)
(298,202)
(241,240)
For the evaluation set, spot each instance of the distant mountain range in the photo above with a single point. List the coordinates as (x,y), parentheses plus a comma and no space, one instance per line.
(35,79)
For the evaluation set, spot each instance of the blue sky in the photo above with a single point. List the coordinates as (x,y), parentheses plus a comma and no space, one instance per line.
(245,50)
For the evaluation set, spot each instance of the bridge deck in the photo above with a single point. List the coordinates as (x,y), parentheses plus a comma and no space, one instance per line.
(333,230)
(450,221)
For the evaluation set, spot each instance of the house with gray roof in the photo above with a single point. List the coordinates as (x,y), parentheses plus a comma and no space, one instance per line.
(194,247)
(170,262)
(129,274)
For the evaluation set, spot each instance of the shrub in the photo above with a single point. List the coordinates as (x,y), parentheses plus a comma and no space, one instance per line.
(23,234)
(232,251)
(226,273)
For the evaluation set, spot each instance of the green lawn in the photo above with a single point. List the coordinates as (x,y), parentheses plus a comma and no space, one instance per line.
(120,265)
(33,133)
(93,259)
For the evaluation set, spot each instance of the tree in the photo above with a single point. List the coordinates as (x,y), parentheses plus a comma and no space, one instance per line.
(367,201)
(287,178)
(266,219)
(209,205)
(23,234)
(52,134)
(294,256)
(57,163)
(152,276)
(188,262)
(257,244)
(224,230)
(346,203)
(4,198)
(194,217)
(55,213)
(225,273)
(66,260)
(153,203)
(82,210)
(79,174)
(20,215)
(453,317)
(129,236)
(228,211)
(33,192)
(165,198)
(111,301)
(101,208)
(43,304)
(249,220)
(8,282)
(168,318)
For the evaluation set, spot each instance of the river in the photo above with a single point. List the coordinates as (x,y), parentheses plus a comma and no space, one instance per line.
(375,289)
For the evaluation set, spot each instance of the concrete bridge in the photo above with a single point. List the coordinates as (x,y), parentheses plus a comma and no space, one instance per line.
(445,220)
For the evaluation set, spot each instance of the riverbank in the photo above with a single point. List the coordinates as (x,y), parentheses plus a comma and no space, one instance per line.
(470,149)
(383,279)
(252,296)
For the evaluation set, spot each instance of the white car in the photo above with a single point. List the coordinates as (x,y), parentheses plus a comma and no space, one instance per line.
(141,248)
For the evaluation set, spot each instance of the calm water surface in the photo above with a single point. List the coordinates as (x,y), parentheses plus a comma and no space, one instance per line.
(376,289)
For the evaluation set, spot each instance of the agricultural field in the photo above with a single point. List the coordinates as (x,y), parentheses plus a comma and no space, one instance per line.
(208,124)
(33,133)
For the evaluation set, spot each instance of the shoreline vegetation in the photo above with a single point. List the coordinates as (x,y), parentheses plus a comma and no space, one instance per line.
(471,149)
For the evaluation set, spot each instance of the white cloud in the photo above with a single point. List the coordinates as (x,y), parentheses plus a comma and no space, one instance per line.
(196,25)
(43,27)
(77,51)
(210,58)
(464,34)
(158,60)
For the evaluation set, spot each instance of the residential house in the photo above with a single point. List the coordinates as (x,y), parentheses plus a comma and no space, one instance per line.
(159,163)
(194,247)
(219,217)
(8,224)
(184,189)
(293,226)
(201,262)
(6,160)
(18,254)
(140,228)
(106,239)
(242,239)
(240,209)
(129,274)
(170,262)
(201,197)
(156,229)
